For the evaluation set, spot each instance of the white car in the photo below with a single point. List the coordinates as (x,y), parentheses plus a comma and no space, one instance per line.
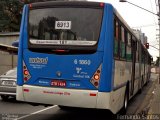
(8,84)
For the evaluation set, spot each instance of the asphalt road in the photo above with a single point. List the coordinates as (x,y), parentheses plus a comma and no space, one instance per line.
(12,109)
(140,103)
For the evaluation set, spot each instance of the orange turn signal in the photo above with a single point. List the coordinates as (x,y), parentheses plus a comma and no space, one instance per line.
(96,77)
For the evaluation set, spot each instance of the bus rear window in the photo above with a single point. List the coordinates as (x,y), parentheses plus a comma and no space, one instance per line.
(64,26)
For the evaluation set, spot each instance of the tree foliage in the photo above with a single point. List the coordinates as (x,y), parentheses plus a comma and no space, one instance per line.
(10,15)
(11,12)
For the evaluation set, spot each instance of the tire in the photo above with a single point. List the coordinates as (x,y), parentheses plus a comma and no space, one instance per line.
(140,90)
(4,97)
(64,107)
(141,87)
(125,104)
(67,108)
(147,81)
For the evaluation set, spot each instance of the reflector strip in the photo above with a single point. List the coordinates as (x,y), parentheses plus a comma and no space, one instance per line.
(26,90)
(93,94)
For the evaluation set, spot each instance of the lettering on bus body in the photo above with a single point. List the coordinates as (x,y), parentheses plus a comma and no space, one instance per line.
(82,62)
(80,73)
(38,60)
(38,63)
(57,93)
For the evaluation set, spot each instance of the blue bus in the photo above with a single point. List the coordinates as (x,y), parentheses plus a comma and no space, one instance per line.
(79,54)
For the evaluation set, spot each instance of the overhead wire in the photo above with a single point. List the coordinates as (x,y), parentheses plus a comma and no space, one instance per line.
(149,25)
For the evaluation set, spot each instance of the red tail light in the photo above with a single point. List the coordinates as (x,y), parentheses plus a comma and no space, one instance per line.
(96,84)
(60,51)
(30,5)
(25,79)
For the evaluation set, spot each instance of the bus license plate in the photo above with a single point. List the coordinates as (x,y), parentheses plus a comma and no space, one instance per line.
(58,83)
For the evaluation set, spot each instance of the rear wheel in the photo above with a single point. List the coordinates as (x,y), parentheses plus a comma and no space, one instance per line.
(125,104)
(64,107)
(67,108)
(141,86)
(4,97)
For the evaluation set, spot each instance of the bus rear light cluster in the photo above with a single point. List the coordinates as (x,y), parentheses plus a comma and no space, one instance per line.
(96,77)
(26,74)
(30,5)
(101,4)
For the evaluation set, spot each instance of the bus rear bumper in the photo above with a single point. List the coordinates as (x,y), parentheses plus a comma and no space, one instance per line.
(58,96)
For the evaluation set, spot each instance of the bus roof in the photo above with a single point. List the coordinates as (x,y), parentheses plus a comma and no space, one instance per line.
(65,3)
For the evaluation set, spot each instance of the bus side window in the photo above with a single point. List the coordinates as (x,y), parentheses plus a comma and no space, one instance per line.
(134,48)
(116,39)
(137,52)
(129,53)
(142,55)
(122,44)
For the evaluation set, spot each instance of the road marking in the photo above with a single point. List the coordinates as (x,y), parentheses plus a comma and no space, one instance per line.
(36,112)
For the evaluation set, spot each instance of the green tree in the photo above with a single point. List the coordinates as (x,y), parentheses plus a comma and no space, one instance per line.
(32,1)
(11,12)
(10,15)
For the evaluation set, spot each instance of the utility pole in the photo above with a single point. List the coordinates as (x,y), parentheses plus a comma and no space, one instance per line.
(159,37)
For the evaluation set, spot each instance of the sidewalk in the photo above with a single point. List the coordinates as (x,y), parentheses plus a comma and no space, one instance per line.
(155,102)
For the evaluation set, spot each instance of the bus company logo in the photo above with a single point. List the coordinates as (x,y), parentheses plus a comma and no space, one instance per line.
(38,60)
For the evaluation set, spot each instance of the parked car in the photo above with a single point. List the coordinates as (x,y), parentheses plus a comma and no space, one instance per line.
(8,84)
